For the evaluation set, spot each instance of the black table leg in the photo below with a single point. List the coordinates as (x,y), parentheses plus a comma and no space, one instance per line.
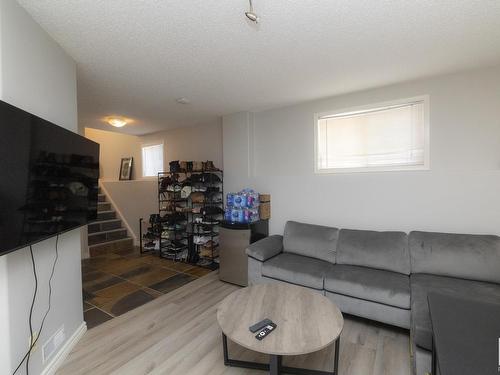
(275,365)
(336,357)
(433,369)
(224,349)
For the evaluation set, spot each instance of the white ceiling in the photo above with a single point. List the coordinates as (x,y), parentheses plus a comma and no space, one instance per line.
(136,57)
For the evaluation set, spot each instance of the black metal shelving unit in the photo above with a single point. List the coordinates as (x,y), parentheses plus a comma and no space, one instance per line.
(205,223)
(148,240)
(187,229)
(173,210)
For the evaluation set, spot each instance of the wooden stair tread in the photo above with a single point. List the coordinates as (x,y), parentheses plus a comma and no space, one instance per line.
(111,241)
(107,231)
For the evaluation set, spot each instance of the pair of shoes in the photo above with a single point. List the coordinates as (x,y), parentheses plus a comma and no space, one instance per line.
(208,252)
(197,197)
(209,221)
(150,245)
(199,188)
(212,210)
(209,166)
(175,166)
(149,236)
(174,188)
(204,262)
(203,240)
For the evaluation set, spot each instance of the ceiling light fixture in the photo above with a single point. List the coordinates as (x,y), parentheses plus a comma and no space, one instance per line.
(251,15)
(117,122)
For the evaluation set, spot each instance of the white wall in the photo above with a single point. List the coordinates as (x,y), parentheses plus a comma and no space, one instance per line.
(37,76)
(114,147)
(133,199)
(203,142)
(139,197)
(272,151)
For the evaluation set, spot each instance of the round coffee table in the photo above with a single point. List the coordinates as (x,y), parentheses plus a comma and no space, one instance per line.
(306,322)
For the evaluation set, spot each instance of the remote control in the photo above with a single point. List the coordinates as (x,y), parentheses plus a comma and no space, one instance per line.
(266,331)
(258,326)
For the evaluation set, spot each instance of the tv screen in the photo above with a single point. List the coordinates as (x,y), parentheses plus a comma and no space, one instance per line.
(49,179)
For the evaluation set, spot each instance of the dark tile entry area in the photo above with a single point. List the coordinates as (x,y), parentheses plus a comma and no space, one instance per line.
(118,282)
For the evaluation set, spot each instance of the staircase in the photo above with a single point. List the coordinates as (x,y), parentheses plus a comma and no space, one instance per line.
(107,233)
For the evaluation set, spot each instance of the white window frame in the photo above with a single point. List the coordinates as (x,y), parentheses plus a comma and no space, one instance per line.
(149,144)
(374,106)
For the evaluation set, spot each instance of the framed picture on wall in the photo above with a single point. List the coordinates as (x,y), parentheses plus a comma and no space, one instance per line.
(126,169)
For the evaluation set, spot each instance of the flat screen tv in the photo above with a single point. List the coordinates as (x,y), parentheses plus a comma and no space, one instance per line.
(48,179)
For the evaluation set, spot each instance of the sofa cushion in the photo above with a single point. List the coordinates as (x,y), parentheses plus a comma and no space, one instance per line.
(467,256)
(390,288)
(296,269)
(422,284)
(381,250)
(265,248)
(314,241)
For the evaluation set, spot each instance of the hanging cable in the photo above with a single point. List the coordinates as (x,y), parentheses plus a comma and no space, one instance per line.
(34,342)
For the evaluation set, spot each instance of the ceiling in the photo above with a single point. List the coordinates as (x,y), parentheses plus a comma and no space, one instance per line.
(136,57)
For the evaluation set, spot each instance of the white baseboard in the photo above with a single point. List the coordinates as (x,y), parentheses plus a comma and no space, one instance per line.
(60,356)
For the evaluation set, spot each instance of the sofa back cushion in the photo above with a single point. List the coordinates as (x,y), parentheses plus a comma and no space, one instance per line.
(314,241)
(466,256)
(381,250)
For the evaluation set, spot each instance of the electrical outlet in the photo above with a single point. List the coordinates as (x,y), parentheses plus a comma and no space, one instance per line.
(31,340)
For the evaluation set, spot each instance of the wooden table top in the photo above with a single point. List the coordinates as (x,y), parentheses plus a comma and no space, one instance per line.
(306,321)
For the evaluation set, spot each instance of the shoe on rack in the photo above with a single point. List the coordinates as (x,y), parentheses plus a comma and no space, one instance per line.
(197,166)
(197,197)
(211,178)
(209,166)
(199,187)
(186,191)
(204,262)
(209,221)
(149,245)
(149,236)
(209,252)
(174,166)
(201,240)
(212,211)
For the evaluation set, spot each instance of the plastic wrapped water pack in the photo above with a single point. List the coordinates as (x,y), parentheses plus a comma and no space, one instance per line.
(242,207)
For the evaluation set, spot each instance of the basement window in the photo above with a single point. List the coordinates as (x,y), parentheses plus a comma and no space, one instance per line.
(152,160)
(381,137)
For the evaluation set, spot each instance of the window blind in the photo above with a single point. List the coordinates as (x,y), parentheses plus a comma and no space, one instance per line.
(152,160)
(379,137)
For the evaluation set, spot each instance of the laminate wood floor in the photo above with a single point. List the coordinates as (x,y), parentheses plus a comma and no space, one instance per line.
(178,334)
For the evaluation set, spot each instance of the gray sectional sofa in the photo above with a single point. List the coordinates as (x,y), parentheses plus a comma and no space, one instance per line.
(383,276)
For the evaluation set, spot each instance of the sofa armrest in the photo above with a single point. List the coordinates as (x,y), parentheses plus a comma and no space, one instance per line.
(266,248)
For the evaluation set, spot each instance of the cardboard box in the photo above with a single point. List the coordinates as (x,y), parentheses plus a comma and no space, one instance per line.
(265,210)
(265,197)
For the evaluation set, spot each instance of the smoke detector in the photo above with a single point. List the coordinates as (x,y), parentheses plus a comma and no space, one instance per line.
(182,100)
(251,15)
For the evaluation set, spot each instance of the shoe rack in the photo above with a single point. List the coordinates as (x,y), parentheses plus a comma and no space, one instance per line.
(190,209)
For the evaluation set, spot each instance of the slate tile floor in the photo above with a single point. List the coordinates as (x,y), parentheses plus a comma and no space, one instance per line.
(118,282)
